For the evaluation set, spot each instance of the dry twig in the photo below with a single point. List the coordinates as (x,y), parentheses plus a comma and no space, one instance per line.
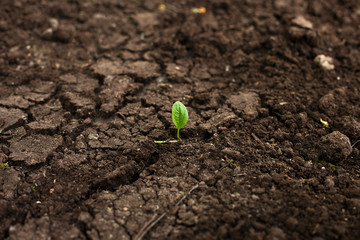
(150,224)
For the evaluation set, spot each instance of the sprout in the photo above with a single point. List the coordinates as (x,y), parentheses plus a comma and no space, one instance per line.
(180,116)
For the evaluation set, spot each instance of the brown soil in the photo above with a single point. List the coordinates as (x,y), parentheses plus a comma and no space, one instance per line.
(87,86)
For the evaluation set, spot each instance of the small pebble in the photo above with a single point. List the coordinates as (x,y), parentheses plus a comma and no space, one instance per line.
(255,197)
(325,62)
(54,23)
(302,22)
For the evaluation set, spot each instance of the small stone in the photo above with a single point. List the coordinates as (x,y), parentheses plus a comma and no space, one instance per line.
(302,22)
(47,34)
(255,197)
(54,23)
(325,62)
(93,136)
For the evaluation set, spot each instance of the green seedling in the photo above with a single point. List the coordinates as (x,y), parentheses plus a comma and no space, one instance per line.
(4,165)
(180,116)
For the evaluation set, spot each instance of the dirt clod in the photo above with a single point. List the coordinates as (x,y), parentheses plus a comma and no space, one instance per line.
(334,147)
(64,33)
(34,149)
(245,104)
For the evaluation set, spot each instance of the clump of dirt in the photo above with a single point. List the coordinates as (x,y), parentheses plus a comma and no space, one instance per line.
(334,147)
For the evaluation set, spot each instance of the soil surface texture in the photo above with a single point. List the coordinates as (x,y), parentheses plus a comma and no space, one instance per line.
(270,151)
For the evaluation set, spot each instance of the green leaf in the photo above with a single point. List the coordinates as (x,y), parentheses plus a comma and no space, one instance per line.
(180,115)
(4,165)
